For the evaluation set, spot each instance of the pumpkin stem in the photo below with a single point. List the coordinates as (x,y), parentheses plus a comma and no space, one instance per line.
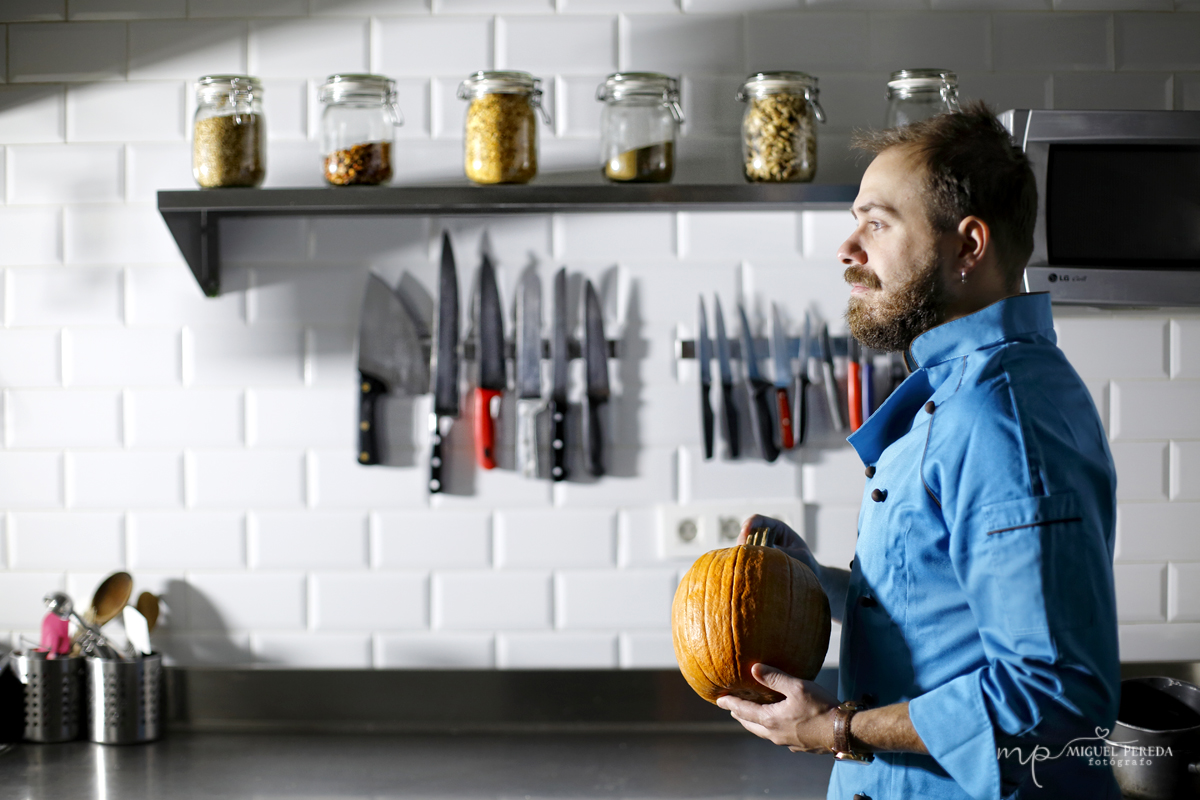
(761,537)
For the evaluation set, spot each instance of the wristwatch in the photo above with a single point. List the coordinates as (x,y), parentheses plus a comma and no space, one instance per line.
(841,733)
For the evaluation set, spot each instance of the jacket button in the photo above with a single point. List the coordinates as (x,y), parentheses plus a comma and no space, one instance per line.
(866,601)
(870,472)
(929,407)
(879,495)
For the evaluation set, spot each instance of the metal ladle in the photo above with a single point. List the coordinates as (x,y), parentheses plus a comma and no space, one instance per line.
(92,642)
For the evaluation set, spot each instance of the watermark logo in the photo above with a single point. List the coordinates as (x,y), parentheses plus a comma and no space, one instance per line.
(1101,753)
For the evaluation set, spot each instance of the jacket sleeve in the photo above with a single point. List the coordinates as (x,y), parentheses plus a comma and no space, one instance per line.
(1030,540)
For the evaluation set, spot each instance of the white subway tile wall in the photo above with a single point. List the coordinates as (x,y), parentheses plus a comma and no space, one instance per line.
(209,445)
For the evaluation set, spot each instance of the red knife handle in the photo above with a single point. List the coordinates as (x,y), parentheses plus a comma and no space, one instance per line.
(485,426)
(369,392)
(783,407)
(854,395)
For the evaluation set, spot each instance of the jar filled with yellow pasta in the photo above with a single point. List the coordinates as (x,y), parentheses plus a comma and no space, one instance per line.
(500,139)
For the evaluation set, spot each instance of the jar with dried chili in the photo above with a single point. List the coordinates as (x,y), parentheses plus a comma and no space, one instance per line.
(358,125)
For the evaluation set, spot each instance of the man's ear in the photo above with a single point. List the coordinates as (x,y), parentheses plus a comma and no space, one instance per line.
(975,242)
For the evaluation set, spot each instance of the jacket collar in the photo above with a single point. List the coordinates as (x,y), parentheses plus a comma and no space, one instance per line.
(1007,319)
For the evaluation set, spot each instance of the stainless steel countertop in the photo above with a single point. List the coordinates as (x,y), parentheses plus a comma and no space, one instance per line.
(478,765)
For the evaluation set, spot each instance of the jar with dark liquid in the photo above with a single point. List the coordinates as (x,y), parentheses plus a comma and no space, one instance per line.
(638,126)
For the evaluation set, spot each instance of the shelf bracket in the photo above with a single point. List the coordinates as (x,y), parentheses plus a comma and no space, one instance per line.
(196,233)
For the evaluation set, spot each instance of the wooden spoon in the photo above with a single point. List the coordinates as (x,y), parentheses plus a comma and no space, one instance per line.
(111,596)
(147,603)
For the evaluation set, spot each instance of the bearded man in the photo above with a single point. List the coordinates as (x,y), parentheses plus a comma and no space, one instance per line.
(979,634)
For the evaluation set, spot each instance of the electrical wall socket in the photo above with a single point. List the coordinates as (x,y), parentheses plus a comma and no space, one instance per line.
(691,530)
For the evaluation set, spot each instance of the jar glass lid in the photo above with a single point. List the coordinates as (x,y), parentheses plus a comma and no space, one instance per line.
(499,82)
(922,80)
(638,84)
(763,83)
(358,86)
(216,84)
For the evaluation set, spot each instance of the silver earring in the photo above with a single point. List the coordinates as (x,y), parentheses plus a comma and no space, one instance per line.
(964,276)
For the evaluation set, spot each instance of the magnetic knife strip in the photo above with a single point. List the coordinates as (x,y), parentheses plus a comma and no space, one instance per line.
(686,348)
(466,348)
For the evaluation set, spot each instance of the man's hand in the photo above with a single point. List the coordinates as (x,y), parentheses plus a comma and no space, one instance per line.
(802,721)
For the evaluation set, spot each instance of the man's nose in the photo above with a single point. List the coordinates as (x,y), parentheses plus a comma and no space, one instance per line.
(851,254)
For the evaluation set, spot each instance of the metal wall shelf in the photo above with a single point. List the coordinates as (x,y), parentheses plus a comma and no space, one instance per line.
(194,216)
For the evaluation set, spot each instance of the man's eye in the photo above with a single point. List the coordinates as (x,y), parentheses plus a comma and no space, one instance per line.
(875,224)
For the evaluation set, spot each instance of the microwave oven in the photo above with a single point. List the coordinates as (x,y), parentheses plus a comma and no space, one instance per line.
(1118,220)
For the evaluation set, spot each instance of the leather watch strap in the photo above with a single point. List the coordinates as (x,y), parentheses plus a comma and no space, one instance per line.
(841,733)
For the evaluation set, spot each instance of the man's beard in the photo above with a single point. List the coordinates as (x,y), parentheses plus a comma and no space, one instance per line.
(889,321)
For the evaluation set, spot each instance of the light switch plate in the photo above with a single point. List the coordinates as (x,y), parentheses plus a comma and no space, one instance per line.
(688,531)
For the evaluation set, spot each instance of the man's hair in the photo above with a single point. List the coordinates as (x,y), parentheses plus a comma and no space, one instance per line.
(972,169)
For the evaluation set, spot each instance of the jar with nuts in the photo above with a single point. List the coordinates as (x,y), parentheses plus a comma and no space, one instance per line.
(229,132)
(500,142)
(358,127)
(779,135)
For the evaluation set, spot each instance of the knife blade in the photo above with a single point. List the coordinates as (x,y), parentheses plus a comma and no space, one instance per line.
(529,371)
(558,371)
(866,357)
(830,380)
(489,350)
(595,355)
(727,406)
(760,406)
(445,363)
(782,357)
(390,358)
(704,354)
(802,383)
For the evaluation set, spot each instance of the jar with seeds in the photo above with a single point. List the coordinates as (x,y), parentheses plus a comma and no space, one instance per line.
(229,132)
(500,142)
(358,125)
(779,131)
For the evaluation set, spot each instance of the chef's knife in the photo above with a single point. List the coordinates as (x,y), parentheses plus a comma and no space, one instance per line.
(802,384)
(390,358)
(781,355)
(595,355)
(727,407)
(558,370)
(704,354)
(830,380)
(489,350)
(445,363)
(529,371)
(760,406)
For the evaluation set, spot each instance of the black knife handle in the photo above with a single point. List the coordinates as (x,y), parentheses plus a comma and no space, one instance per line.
(801,408)
(731,419)
(706,414)
(435,454)
(595,437)
(760,418)
(369,391)
(558,441)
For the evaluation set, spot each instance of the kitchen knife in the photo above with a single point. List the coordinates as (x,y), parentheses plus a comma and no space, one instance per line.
(489,351)
(760,406)
(854,386)
(782,357)
(595,355)
(529,371)
(390,357)
(727,407)
(445,363)
(867,359)
(830,380)
(558,372)
(802,383)
(704,354)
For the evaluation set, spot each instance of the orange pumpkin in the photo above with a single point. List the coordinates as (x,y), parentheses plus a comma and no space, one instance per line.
(743,605)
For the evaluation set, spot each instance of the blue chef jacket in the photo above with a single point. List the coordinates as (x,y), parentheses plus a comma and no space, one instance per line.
(981,589)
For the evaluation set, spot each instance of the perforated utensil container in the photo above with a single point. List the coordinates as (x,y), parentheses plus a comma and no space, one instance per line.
(52,696)
(124,699)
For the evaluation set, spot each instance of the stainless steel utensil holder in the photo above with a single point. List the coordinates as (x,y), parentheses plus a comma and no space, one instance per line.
(124,699)
(52,696)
